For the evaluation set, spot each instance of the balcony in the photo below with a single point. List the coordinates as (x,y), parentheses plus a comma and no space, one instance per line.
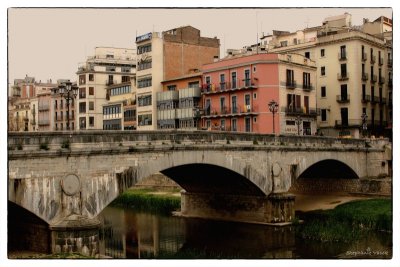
(342,56)
(43,122)
(43,107)
(380,61)
(348,123)
(343,76)
(230,111)
(364,76)
(110,82)
(373,78)
(374,99)
(373,59)
(390,62)
(343,98)
(308,87)
(382,100)
(290,84)
(228,86)
(297,111)
(365,98)
(390,83)
(381,80)
(364,56)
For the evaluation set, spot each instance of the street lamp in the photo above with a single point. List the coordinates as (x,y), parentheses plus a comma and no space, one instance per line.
(273,107)
(298,122)
(364,117)
(69,92)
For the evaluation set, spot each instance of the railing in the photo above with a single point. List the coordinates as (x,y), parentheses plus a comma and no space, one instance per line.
(300,111)
(373,59)
(373,78)
(232,111)
(348,123)
(374,99)
(365,98)
(381,80)
(307,87)
(221,87)
(343,76)
(130,118)
(364,56)
(364,76)
(110,82)
(43,107)
(343,98)
(380,61)
(291,84)
(342,56)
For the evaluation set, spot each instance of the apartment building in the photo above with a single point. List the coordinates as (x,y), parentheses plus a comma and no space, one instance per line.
(237,91)
(120,111)
(353,73)
(178,106)
(43,105)
(165,56)
(59,109)
(108,67)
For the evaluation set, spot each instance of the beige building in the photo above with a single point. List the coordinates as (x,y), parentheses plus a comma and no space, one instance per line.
(108,67)
(165,56)
(352,71)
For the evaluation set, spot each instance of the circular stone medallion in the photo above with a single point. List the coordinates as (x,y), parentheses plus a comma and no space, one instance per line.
(70,184)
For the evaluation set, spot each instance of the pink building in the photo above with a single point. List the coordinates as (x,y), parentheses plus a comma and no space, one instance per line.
(237,90)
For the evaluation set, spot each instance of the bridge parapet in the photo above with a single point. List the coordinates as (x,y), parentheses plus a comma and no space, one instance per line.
(50,142)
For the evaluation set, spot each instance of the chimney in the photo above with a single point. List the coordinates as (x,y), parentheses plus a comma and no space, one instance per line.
(216,58)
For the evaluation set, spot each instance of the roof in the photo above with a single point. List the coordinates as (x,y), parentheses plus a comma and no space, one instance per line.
(191,75)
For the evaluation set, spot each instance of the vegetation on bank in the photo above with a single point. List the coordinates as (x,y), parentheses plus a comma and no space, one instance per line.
(149,201)
(51,256)
(347,222)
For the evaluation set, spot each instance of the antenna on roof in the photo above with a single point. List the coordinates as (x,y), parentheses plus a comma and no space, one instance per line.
(257,31)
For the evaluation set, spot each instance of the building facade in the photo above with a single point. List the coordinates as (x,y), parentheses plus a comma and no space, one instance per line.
(165,56)
(238,89)
(96,76)
(178,106)
(353,65)
(59,109)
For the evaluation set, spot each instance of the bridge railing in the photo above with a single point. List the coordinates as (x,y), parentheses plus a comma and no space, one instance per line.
(100,139)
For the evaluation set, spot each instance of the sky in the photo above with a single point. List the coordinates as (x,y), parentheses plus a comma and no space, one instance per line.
(48,43)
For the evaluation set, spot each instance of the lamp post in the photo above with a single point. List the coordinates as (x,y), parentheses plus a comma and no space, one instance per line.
(273,107)
(69,92)
(364,117)
(298,122)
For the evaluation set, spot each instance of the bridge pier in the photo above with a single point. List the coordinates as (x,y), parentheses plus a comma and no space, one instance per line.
(76,234)
(277,208)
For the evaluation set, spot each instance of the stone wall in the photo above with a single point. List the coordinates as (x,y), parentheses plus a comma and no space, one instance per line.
(158,181)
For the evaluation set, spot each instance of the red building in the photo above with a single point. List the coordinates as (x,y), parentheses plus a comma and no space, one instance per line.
(236,92)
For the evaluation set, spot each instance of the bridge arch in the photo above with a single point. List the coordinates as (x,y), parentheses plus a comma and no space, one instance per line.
(329,168)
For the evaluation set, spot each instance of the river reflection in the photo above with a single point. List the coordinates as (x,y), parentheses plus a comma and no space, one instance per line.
(136,235)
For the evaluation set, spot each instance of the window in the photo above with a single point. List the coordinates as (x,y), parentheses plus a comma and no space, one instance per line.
(247,122)
(307,54)
(91,121)
(343,52)
(222,105)
(125,79)
(323,114)
(194,84)
(289,76)
(143,65)
(171,87)
(223,124)
(255,95)
(91,77)
(306,80)
(82,79)
(144,49)
(91,90)
(120,90)
(284,43)
(82,92)
(254,119)
(372,93)
(112,110)
(91,105)
(233,80)
(82,123)
(109,56)
(323,71)
(82,107)
(144,100)
(323,91)
(222,81)
(343,70)
(322,52)
(290,122)
(247,77)
(125,69)
(146,82)
(208,124)
(145,119)
(254,69)
(234,125)
(110,68)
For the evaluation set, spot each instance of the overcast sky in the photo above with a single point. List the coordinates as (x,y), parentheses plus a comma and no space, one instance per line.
(49,43)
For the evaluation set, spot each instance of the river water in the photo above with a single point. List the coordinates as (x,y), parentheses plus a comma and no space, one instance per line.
(129,234)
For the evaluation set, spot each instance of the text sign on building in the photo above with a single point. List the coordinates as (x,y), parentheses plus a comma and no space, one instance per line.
(143,37)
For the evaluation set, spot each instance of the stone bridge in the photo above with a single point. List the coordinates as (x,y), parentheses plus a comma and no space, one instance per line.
(62,177)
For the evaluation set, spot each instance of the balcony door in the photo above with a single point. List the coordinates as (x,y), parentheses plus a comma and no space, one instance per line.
(344,113)
(234,104)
